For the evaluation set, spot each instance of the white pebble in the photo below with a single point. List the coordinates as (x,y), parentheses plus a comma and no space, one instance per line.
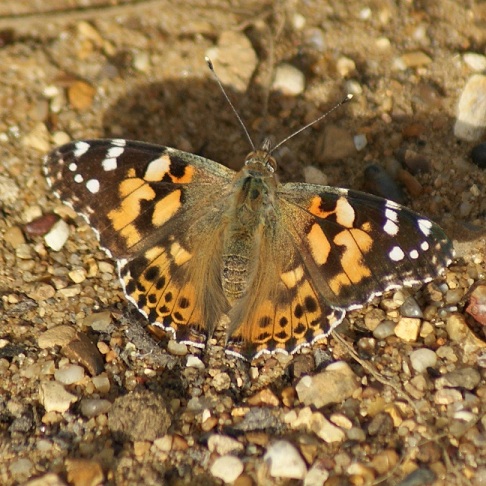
(69,374)
(289,80)
(421,359)
(360,141)
(477,62)
(194,362)
(471,110)
(57,236)
(55,398)
(227,468)
(284,461)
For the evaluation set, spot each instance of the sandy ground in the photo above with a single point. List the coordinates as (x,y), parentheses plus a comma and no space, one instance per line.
(72,70)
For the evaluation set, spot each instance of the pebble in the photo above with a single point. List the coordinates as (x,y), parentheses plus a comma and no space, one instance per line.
(456,327)
(176,348)
(81,95)
(478,155)
(336,383)
(194,362)
(38,138)
(384,330)
(264,397)
(223,444)
(234,59)
(419,477)
(56,238)
(407,329)
(313,175)
(84,352)
(101,383)
(421,359)
(468,378)
(14,237)
(411,60)
(49,479)
(21,469)
(476,305)
(446,396)
(378,181)
(227,468)
(325,430)
(84,472)
(289,80)
(410,308)
(374,318)
(477,62)
(69,374)
(471,111)
(54,397)
(285,461)
(99,321)
(41,225)
(92,407)
(9,191)
(333,144)
(78,275)
(42,292)
(360,141)
(385,461)
(139,416)
(317,474)
(56,336)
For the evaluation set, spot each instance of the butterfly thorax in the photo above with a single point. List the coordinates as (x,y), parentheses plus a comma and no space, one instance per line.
(250,212)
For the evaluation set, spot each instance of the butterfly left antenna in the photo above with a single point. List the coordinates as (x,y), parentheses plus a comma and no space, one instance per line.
(211,67)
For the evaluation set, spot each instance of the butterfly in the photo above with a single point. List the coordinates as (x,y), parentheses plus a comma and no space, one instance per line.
(199,245)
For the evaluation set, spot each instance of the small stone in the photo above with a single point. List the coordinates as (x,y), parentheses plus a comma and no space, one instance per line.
(84,352)
(69,374)
(384,330)
(373,318)
(447,396)
(54,397)
(14,237)
(49,479)
(471,111)
(264,397)
(9,190)
(408,329)
(360,141)
(385,461)
(41,225)
(284,461)
(99,321)
(194,362)
(336,383)
(223,444)
(81,95)
(380,183)
(411,60)
(317,474)
(42,292)
(345,67)
(313,175)
(176,348)
(227,468)
(477,62)
(421,359)
(234,58)
(289,80)
(92,407)
(57,236)
(410,308)
(21,469)
(221,381)
(101,383)
(335,143)
(478,155)
(139,416)
(476,304)
(326,430)
(468,378)
(56,336)
(84,472)
(38,138)
(456,327)
(78,275)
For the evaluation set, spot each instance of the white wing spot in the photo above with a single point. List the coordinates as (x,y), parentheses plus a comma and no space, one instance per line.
(396,254)
(73,167)
(424,226)
(414,254)
(80,148)
(392,205)
(390,228)
(424,246)
(78,178)
(114,152)
(120,142)
(391,215)
(93,185)
(109,164)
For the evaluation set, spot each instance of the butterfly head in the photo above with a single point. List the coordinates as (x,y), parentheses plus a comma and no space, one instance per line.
(261,160)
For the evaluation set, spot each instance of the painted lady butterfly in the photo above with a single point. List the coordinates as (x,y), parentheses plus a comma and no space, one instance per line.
(197,243)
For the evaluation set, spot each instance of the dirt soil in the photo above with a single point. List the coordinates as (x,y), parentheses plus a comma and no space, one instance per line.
(143,412)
